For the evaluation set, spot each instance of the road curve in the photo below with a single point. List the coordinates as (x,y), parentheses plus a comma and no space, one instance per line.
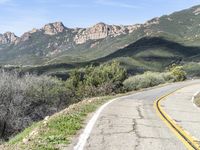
(180,111)
(131,123)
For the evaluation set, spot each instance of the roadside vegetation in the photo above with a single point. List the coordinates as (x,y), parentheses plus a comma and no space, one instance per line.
(192,69)
(28,98)
(56,131)
(150,79)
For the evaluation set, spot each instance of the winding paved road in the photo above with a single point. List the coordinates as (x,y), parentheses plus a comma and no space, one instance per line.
(131,122)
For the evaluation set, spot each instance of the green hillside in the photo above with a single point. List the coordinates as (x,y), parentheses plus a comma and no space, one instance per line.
(153,46)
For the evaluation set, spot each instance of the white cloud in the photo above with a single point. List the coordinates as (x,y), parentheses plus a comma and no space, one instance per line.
(115,4)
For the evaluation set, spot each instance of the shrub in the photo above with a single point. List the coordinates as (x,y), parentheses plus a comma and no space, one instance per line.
(148,79)
(27,99)
(92,81)
(111,72)
(192,69)
(178,72)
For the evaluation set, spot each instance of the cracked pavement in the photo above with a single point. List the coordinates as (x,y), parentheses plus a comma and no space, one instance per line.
(131,123)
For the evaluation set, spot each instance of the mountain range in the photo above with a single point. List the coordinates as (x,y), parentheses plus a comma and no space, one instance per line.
(153,45)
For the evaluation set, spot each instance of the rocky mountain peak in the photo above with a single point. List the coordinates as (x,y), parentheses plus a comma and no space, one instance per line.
(101,31)
(53,28)
(152,22)
(34,30)
(196,11)
(99,27)
(8,38)
(100,24)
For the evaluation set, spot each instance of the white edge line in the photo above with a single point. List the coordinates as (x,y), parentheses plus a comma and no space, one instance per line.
(193,99)
(85,135)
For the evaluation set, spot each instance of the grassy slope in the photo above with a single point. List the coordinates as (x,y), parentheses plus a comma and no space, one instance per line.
(181,27)
(153,54)
(180,39)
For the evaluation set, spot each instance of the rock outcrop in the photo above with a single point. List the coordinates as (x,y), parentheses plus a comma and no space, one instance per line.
(101,31)
(50,42)
(8,38)
(152,22)
(53,28)
(196,11)
(78,35)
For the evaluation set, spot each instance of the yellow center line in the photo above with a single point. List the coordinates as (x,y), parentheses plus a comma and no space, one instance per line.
(183,135)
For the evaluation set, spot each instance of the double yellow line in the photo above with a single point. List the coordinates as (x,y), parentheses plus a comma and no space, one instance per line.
(183,135)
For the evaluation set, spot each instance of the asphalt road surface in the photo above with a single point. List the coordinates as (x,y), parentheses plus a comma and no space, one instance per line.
(131,122)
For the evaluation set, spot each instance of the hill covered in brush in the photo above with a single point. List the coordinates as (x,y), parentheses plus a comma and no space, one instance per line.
(153,45)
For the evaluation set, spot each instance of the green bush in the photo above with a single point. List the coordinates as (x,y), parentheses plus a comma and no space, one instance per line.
(192,69)
(30,98)
(148,79)
(178,73)
(111,72)
(92,81)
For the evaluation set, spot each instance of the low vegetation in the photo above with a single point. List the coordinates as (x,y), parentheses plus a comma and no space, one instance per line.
(150,79)
(92,81)
(55,132)
(27,99)
(192,69)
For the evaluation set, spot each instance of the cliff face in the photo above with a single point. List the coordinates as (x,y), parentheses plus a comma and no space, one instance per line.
(53,28)
(101,31)
(8,38)
(80,35)
(54,38)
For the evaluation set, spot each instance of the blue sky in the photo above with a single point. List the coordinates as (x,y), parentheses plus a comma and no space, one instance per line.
(22,15)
